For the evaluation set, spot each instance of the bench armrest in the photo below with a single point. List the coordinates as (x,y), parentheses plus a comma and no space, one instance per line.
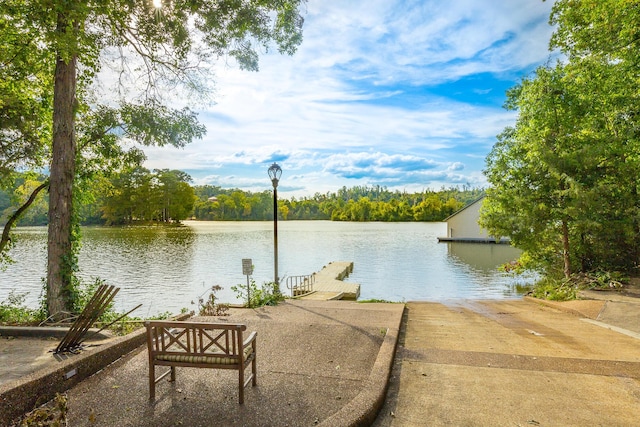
(250,339)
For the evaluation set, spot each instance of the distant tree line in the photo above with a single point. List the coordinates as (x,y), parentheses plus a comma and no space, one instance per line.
(135,195)
(138,195)
(359,203)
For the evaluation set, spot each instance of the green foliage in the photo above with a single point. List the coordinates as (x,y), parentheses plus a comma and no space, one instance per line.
(563,289)
(554,289)
(137,195)
(211,306)
(18,190)
(353,204)
(564,178)
(29,186)
(25,91)
(267,295)
(13,311)
(375,300)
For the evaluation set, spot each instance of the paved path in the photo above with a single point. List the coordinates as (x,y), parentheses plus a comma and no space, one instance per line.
(319,363)
(512,363)
(465,363)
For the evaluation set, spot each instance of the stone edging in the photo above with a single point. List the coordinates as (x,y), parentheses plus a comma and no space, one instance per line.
(363,409)
(20,396)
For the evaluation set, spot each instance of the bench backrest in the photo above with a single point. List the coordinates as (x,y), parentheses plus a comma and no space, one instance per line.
(224,340)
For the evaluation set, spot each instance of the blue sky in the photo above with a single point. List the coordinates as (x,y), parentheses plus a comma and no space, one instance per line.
(402,94)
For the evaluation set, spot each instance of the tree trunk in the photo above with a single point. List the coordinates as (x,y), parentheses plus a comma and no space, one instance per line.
(565,249)
(59,256)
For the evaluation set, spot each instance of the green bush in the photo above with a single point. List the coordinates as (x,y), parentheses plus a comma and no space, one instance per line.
(564,289)
(14,312)
(555,289)
(85,291)
(267,295)
(210,306)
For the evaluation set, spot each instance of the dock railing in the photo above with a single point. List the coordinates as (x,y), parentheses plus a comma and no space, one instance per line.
(300,285)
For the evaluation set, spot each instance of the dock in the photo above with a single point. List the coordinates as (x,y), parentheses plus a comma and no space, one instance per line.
(502,240)
(328,284)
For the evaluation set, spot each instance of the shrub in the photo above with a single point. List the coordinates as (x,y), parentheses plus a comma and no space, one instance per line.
(210,306)
(564,289)
(13,311)
(267,295)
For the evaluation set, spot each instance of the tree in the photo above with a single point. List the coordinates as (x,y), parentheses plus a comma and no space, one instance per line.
(602,41)
(176,197)
(25,94)
(601,30)
(531,169)
(130,197)
(564,178)
(173,44)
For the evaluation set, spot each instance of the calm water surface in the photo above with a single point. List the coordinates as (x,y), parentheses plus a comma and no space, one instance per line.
(166,268)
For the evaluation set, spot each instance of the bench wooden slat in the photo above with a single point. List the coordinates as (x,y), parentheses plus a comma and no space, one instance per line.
(200,345)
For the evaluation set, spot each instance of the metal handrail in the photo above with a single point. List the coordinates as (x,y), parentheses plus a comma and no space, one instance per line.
(300,285)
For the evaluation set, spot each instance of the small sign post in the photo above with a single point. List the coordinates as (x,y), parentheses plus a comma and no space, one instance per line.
(247,270)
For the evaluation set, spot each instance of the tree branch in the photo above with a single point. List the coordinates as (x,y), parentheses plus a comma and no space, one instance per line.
(7,227)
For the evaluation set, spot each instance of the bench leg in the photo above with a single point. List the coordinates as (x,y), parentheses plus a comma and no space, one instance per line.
(254,372)
(152,382)
(173,374)
(241,384)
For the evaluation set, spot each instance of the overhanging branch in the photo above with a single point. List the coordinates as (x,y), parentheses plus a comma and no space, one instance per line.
(7,227)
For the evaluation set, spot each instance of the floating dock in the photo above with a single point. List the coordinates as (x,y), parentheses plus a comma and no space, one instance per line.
(328,284)
(503,240)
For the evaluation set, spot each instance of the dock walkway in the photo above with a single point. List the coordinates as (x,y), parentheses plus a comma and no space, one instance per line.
(328,283)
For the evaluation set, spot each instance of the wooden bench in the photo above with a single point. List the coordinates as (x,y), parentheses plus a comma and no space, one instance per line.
(200,345)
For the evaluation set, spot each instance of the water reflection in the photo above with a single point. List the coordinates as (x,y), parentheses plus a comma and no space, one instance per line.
(482,257)
(166,268)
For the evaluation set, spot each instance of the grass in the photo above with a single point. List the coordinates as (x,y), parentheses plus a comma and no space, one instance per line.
(375,300)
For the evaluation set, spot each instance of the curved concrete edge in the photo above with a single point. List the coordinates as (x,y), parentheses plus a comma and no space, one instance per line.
(25,394)
(558,305)
(363,409)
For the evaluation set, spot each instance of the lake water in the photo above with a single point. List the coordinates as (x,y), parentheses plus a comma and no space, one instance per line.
(166,268)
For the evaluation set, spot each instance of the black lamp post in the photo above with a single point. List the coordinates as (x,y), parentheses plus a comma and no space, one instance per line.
(275,172)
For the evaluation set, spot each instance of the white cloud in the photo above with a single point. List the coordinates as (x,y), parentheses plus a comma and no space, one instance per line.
(374,81)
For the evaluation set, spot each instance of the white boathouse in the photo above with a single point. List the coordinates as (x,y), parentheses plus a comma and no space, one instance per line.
(462,226)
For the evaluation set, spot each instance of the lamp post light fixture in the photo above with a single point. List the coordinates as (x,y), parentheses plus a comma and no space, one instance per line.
(275,172)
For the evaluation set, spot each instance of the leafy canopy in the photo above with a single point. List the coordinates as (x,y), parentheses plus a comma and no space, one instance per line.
(564,178)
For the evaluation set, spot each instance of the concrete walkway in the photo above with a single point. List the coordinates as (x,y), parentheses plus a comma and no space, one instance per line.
(319,363)
(463,363)
(516,363)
